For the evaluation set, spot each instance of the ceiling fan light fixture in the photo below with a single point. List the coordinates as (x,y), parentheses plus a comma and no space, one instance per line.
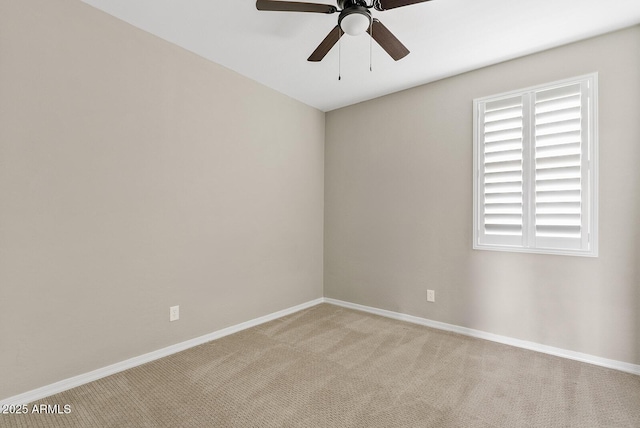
(355,21)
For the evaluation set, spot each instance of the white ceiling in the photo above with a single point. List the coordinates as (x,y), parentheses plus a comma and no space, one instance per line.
(445,37)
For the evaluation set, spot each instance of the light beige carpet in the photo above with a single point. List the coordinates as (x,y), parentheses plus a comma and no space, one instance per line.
(332,367)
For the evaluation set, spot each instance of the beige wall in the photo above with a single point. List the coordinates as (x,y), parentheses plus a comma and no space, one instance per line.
(398,210)
(134,176)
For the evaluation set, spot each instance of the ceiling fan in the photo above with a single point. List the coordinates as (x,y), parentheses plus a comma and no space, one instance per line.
(354,19)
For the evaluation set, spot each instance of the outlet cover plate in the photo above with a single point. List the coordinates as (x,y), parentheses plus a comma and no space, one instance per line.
(431,296)
(174,313)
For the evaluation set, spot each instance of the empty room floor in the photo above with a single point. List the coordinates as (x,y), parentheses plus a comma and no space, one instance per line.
(328,366)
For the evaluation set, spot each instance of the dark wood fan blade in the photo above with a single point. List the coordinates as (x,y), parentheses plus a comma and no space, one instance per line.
(326,45)
(292,6)
(387,40)
(391,4)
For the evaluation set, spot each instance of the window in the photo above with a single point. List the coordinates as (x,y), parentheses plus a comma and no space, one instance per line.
(535,169)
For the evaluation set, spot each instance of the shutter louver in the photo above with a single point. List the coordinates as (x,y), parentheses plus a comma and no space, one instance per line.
(502,166)
(558,166)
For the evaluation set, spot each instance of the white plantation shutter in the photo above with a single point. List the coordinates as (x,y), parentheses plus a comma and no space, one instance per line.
(501,175)
(535,175)
(558,167)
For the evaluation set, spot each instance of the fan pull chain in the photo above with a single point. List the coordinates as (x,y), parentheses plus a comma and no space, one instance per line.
(339,53)
(370,46)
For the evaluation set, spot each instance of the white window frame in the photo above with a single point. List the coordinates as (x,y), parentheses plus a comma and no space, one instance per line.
(588,241)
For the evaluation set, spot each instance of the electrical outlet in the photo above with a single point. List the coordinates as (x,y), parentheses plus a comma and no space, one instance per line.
(174,313)
(431,296)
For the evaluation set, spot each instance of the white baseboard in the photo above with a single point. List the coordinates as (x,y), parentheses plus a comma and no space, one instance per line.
(564,353)
(63,385)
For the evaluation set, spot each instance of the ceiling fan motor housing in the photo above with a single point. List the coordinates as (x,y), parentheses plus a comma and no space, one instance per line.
(345,4)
